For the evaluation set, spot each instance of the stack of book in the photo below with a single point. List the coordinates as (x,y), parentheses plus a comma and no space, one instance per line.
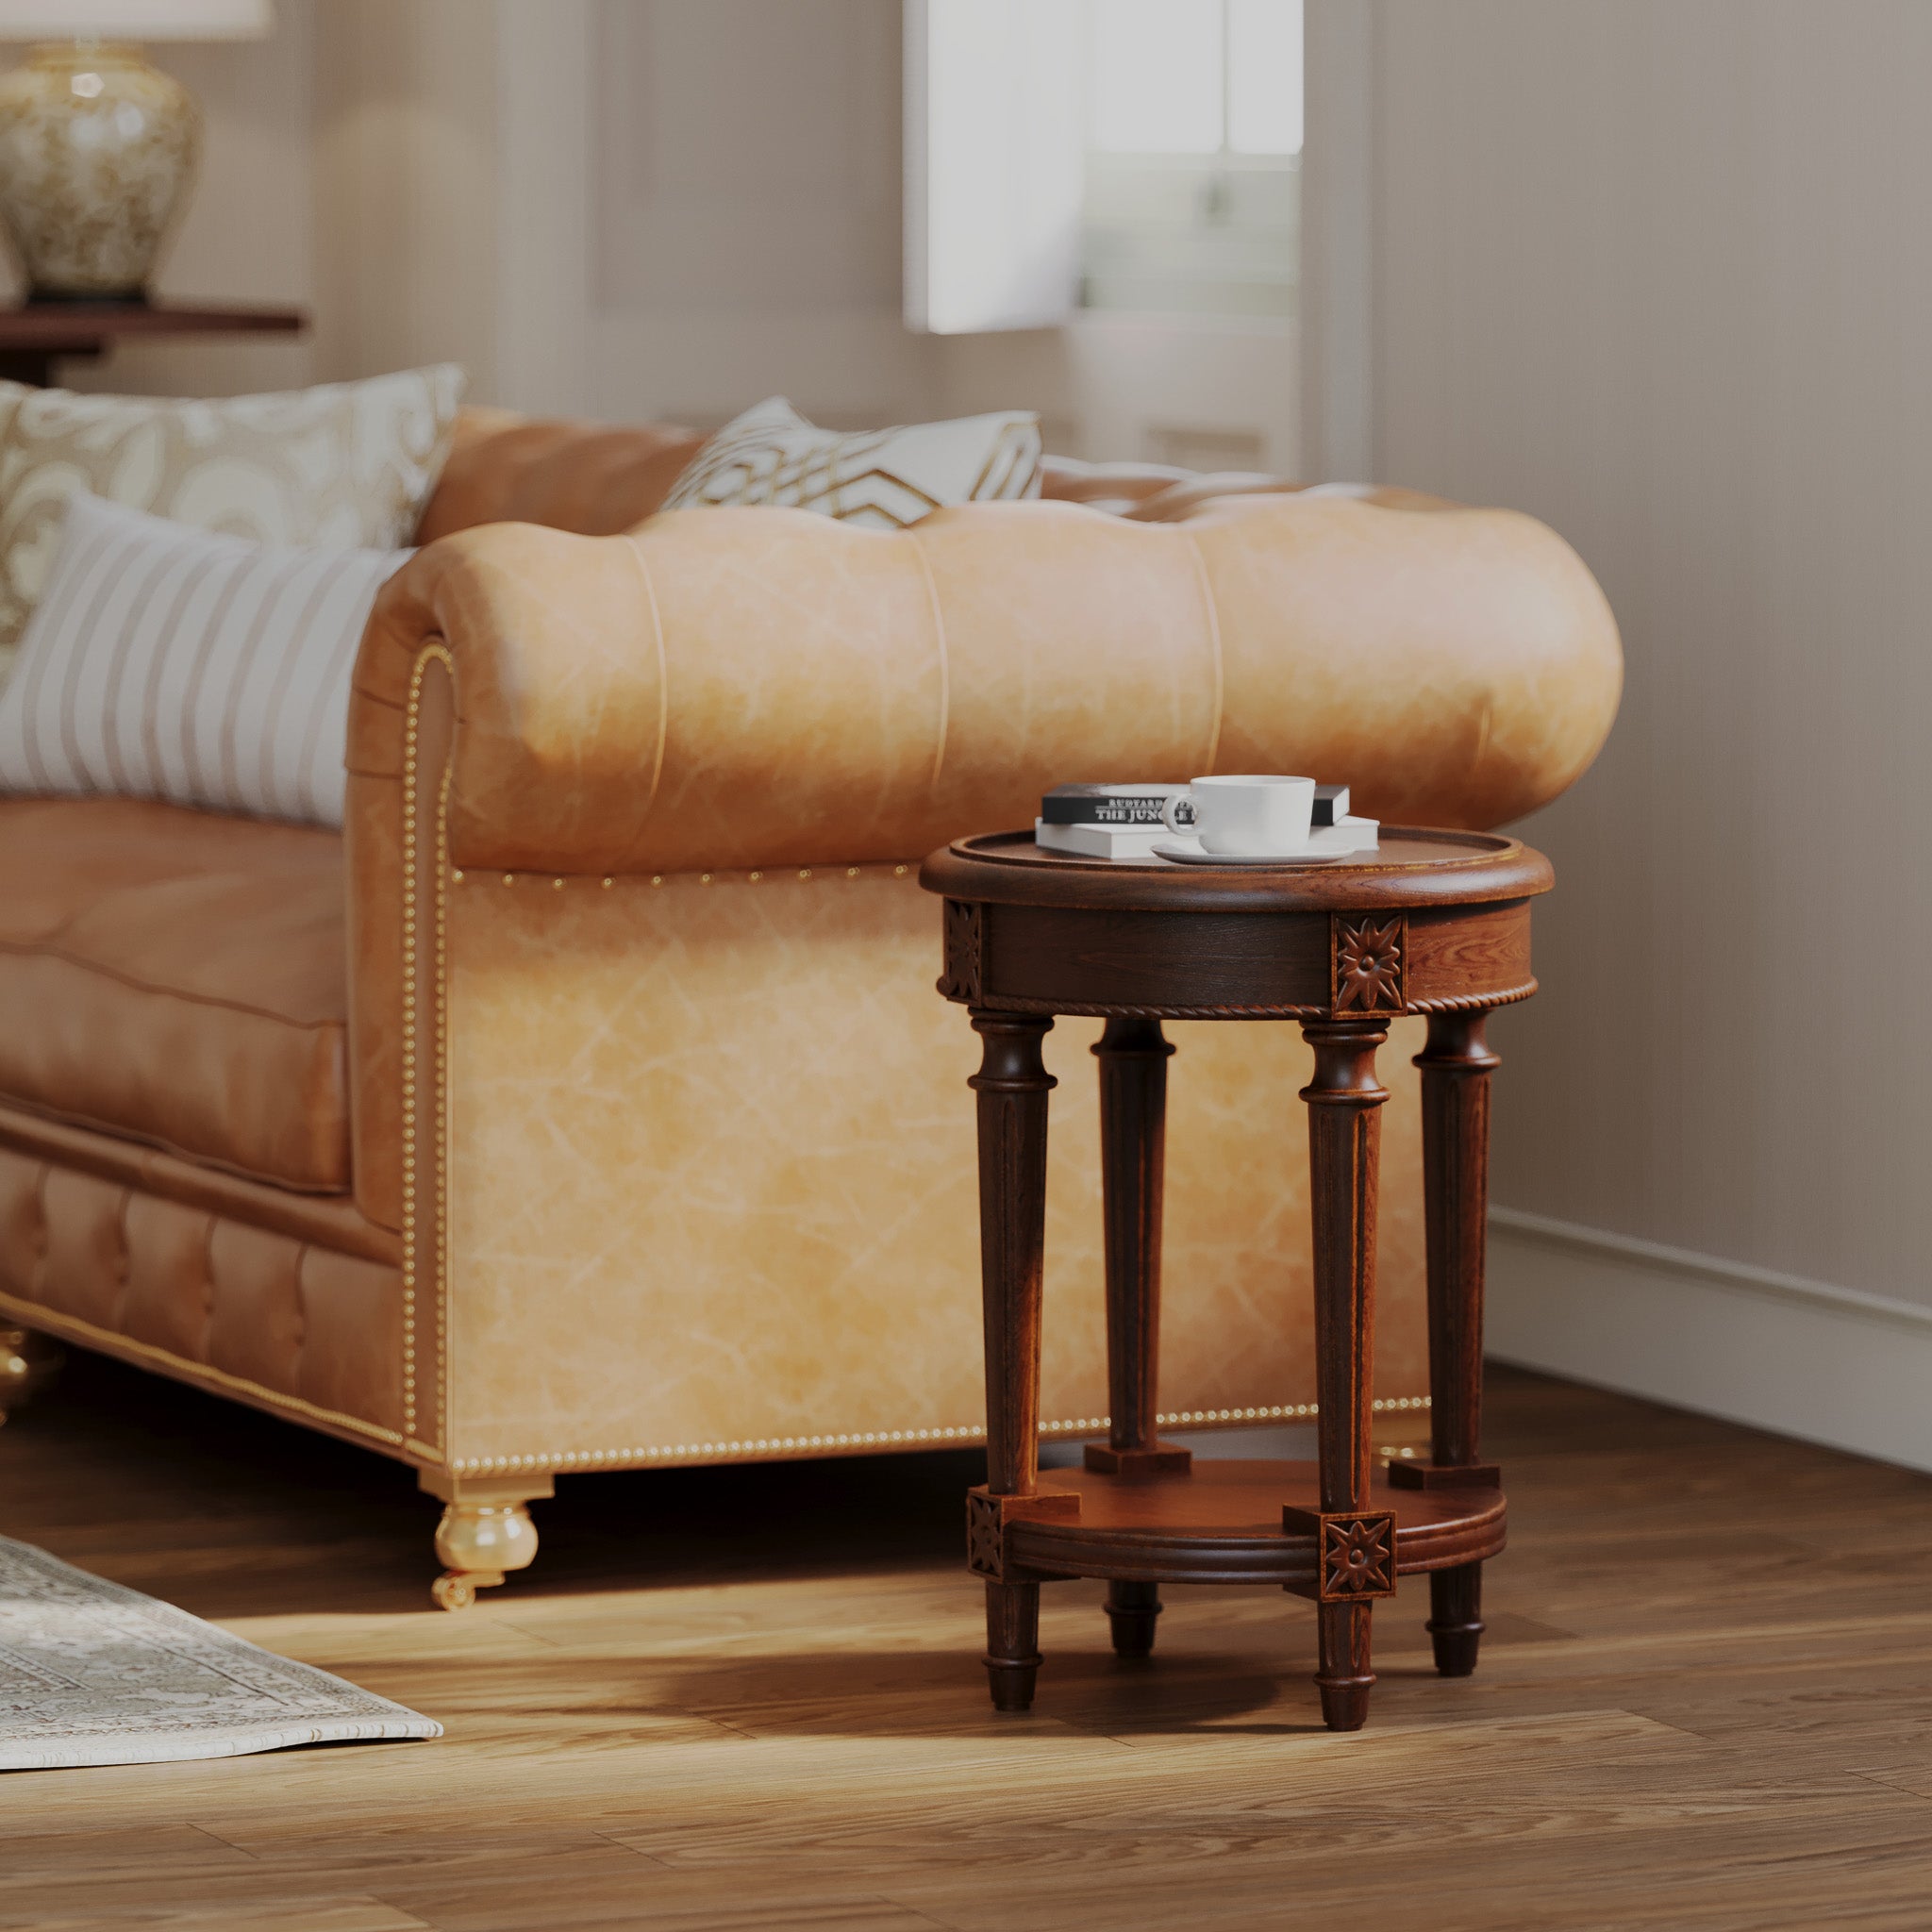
(1123,821)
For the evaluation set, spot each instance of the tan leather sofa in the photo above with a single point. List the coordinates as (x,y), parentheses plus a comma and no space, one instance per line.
(588,1105)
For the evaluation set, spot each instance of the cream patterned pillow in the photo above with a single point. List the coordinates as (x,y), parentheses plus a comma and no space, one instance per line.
(885,477)
(343,466)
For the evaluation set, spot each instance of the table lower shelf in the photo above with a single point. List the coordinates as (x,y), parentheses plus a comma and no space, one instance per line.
(1221,1522)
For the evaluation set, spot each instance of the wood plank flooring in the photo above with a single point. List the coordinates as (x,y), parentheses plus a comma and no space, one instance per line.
(1706,1702)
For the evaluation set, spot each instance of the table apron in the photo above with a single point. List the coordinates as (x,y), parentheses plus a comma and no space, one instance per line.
(1232,965)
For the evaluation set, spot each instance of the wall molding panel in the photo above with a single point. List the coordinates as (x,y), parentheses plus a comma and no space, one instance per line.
(1805,1358)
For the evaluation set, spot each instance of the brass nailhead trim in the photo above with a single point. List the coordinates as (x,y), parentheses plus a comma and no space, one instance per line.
(1081,1425)
(412,736)
(703,878)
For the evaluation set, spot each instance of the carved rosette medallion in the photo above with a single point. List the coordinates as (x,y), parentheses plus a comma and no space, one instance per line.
(965,949)
(1368,955)
(986,1540)
(1357,1557)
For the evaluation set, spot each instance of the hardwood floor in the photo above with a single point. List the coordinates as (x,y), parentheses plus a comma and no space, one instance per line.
(1705,1701)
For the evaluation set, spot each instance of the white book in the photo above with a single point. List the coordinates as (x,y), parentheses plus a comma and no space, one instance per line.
(1349,834)
(1100,841)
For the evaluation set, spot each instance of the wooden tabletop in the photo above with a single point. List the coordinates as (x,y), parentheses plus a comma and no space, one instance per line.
(1414,866)
(1433,922)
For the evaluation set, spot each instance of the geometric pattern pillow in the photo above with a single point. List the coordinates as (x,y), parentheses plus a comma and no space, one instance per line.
(165,662)
(886,478)
(345,465)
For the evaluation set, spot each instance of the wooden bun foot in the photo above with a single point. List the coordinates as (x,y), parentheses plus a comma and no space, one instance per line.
(1456,1624)
(1343,1676)
(1013,1643)
(1131,1608)
(1345,1702)
(1011,1680)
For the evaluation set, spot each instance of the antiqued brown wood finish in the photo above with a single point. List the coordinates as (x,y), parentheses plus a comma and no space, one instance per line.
(1456,1067)
(1345,1103)
(1435,922)
(1031,932)
(1013,1084)
(1227,1522)
(1133,1055)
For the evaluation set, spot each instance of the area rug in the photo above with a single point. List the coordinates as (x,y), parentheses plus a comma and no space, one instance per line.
(93,1673)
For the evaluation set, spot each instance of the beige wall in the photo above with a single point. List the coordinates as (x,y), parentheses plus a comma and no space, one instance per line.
(632,209)
(1656,270)
(404,143)
(746,201)
(627,208)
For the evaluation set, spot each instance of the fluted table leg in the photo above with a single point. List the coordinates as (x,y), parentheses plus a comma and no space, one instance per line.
(1355,1552)
(1456,1067)
(1133,1056)
(1012,1085)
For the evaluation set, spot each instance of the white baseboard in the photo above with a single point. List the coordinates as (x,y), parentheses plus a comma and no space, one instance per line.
(1826,1364)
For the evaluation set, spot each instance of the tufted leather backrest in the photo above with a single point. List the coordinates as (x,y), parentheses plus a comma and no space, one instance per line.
(597,480)
(586,477)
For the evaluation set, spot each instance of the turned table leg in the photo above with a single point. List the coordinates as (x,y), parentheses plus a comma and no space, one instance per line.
(1133,1056)
(1012,1085)
(1356,1550)
(1456,1067)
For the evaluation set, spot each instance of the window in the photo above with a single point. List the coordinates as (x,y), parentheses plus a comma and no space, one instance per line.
(1138,155)
(1193,155)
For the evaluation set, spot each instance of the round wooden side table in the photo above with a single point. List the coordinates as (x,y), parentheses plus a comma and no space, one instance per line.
(1435,922)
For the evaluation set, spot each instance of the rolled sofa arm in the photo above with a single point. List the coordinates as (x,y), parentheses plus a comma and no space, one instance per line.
(728,687)
(747,687)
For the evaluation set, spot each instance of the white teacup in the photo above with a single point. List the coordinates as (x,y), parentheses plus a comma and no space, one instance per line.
(1247,817)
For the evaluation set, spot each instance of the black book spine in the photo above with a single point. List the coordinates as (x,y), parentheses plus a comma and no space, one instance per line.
(1098,809)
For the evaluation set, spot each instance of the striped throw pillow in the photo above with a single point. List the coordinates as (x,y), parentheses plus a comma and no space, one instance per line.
(171,663)
(885,477)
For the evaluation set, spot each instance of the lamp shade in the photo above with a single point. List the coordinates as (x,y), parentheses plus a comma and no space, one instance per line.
(135,20)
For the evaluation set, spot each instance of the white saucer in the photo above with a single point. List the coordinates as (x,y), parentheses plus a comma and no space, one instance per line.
(1194,855)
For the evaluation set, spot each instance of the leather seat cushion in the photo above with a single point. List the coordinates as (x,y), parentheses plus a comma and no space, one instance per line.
(179,980)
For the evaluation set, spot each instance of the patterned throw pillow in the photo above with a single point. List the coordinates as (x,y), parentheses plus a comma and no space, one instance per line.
(343,466)
(887,478)
(166,662)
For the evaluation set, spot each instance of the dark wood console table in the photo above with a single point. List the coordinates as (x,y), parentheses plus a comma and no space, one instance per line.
(1434,924)
(34,337)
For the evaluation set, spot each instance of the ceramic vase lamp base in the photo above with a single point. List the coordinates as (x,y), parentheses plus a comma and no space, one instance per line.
(97,147)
